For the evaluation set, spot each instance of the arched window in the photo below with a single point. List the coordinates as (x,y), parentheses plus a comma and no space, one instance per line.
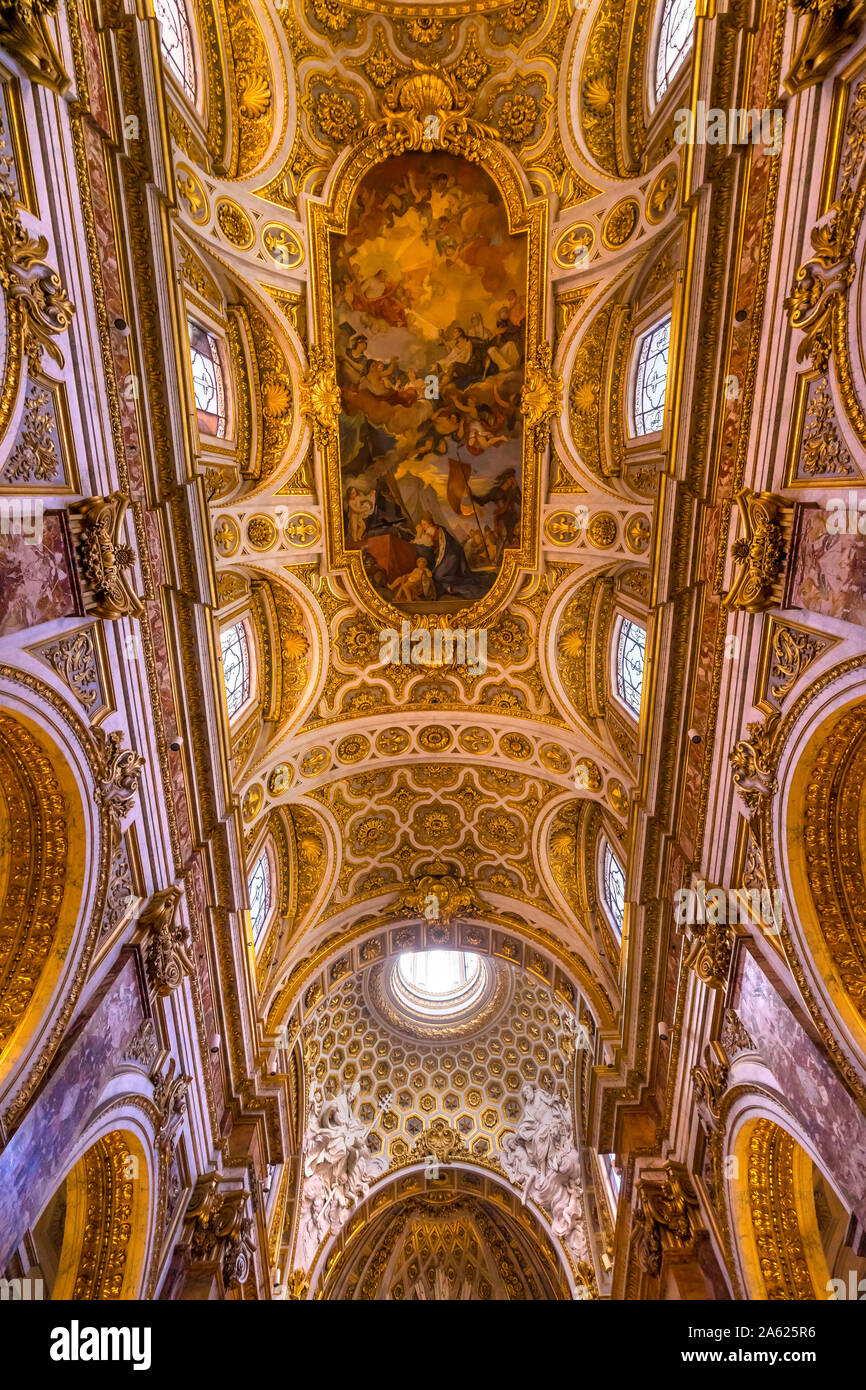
(613,1173)
(261,895)
(175,37)
(237,675)
(613,888)
(629,658)
(649,380)
(208,380)
(675,36)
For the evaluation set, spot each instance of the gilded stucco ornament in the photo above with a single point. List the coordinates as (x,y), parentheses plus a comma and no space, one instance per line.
(168,946)
(25,33)
(542,395)
(818,286)
(105,558)
(320,397)
(221,1231)
(710,947)
(753,762)
(440,898)
(760,554)
(828,28)
(119,774)
(665,1218)
(428,111)
(36,305)
(710,1081)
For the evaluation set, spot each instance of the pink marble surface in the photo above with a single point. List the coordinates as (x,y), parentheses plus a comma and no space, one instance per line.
(806,1078)
(36,583)
(829,570)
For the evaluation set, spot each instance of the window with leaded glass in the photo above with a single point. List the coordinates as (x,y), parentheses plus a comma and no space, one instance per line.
(259,886)
(175,37)
(613,888)
(649,383)
(236,667)
(208,380)
(630,659)
(675,36)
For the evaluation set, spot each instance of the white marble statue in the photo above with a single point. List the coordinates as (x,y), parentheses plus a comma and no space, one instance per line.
(338,1168)
(541,1160)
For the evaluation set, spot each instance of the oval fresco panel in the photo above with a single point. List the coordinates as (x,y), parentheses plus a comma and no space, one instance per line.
(429,322)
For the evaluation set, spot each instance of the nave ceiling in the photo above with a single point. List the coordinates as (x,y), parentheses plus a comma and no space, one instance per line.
(333,297)
(431,394)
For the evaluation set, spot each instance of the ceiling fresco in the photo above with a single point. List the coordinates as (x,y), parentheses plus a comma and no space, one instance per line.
(430,315)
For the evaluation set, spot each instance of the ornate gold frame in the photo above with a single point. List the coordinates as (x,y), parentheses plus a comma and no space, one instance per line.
(426,112)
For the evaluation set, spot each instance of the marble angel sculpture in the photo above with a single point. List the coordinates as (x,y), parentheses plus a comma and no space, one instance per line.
(540,1158)
(338,1167)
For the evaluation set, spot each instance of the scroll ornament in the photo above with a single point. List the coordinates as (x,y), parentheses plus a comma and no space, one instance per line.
(25,33)
(30,283)
(105,558)
(818,286)
(120,771)
(320,398)
(221,1229)
(665,1217)
(427,110)
(167,950)
(439,898)
(541,400)
(828,29)
(760,554)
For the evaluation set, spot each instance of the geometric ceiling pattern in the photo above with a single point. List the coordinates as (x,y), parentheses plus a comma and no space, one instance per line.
(470,1081)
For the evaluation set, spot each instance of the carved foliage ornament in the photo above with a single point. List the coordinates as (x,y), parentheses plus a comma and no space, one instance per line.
(169,1097)
(665,1217)
(105,558)
(427,111)
(38,307)
(753,762)
(760,555)
(320,397)
(168,945)
(221,1229)
(439,898)
(119,775)
(817,287)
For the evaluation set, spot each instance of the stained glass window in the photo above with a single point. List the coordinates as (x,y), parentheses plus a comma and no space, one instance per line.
(176,41)
(630,659)
(650,379)
(260,894)
(676,32)
(613,887)
(208,380)
(236,666)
